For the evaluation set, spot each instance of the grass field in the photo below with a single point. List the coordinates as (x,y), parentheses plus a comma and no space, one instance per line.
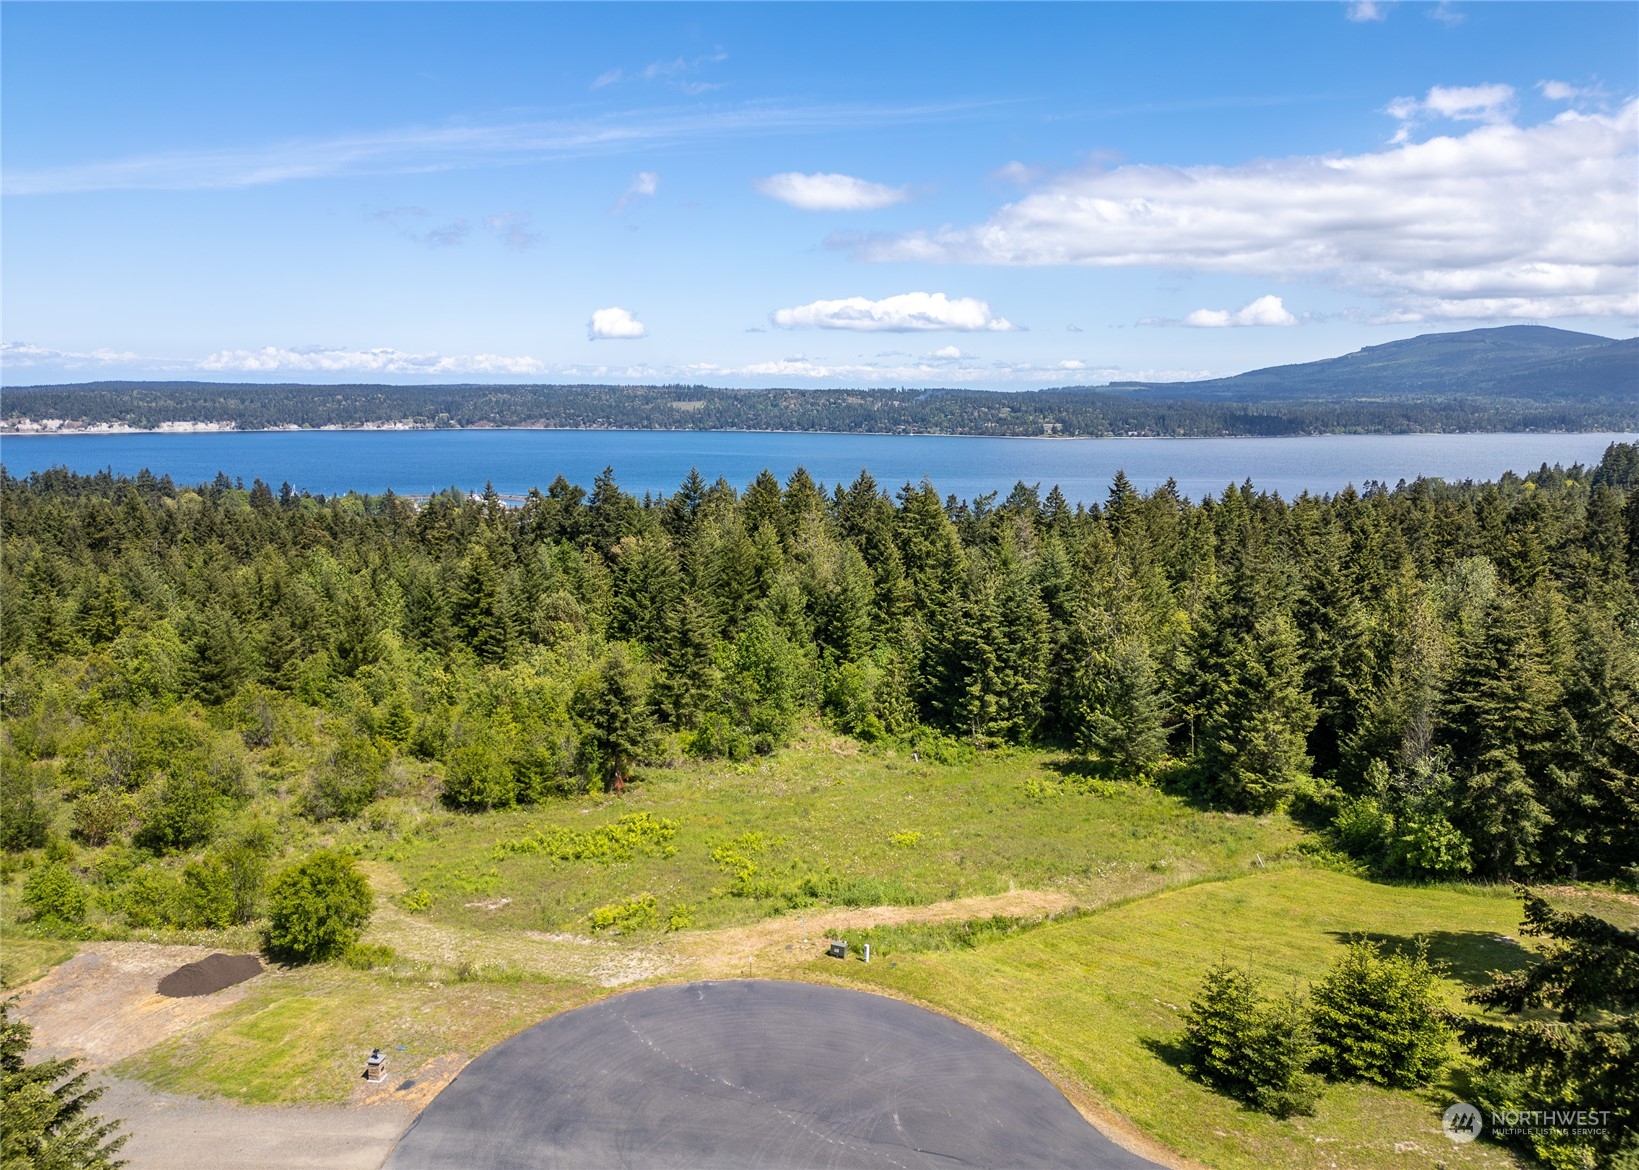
(1145,890)
(300,1036)
(24,959)
(859,827)
(1096,1000)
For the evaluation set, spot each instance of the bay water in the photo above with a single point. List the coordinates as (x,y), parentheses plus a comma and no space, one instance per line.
(418,462)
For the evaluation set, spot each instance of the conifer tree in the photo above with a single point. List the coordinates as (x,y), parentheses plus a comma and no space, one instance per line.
(45,1118)
(1496,721)
(614,712)
(1255,719)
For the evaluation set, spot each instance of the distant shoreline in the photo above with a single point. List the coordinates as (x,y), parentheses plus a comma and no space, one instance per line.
(109,430)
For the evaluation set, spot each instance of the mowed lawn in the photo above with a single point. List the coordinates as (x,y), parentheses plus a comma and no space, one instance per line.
(1096,1001)
(891,829)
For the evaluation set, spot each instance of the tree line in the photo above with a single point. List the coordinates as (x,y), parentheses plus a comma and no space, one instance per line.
(1443,677)
(894,410)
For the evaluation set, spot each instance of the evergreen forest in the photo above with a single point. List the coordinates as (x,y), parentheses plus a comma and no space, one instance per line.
(1442,679)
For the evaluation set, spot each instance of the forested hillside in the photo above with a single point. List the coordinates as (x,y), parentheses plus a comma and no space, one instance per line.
(1442,677)
(1236,406)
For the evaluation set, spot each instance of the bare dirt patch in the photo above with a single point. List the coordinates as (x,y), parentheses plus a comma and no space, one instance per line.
(103,1004)
(763,947)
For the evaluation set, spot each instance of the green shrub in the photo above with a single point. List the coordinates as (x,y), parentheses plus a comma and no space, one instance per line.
(23,822)
(717,739)
(1362,828)
(180,812)
(151,898)
(632,914)
(478,776)
(1378,1018)
(317,908)
(350,779)
(1249,1048)
(367,956)
(55,896)
(1429,844)
(632,834)
(207,895)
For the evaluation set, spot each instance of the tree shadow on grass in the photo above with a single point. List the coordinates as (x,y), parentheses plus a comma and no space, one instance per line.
(1079,767)
(1170,1049)
(1468,956)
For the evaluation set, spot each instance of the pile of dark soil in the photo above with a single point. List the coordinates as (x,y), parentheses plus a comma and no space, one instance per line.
(212,973)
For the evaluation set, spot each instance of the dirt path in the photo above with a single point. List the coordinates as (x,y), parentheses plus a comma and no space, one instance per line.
(763,948)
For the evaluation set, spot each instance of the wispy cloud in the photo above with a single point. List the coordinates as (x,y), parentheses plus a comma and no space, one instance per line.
(1363,11)
(452,233)
(914,312)
(413,149)
(271,359)
(644,184)
(830,192)
(1502,222)
(512,228)
(674,71)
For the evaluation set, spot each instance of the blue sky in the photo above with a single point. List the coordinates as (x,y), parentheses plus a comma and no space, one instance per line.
(1004,196)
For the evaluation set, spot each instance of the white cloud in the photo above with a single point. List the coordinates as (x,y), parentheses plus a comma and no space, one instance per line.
(942,367)
(643,186)
(614,324)
(1502,221)
(913,312)
(1365,10)
(270,359)
(1482,103)
(1263,311)
(829,192)
(21,353)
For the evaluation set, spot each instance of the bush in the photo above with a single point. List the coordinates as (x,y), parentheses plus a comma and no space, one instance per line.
(180,813)
(633,914)
(23,823)
(1248,1048)
(1377,1017)
(317,908)
(477,775)
(717,739)
(349,781)
(55,895)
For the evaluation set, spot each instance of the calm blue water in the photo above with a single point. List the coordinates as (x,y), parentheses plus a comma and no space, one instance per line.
(515,461)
